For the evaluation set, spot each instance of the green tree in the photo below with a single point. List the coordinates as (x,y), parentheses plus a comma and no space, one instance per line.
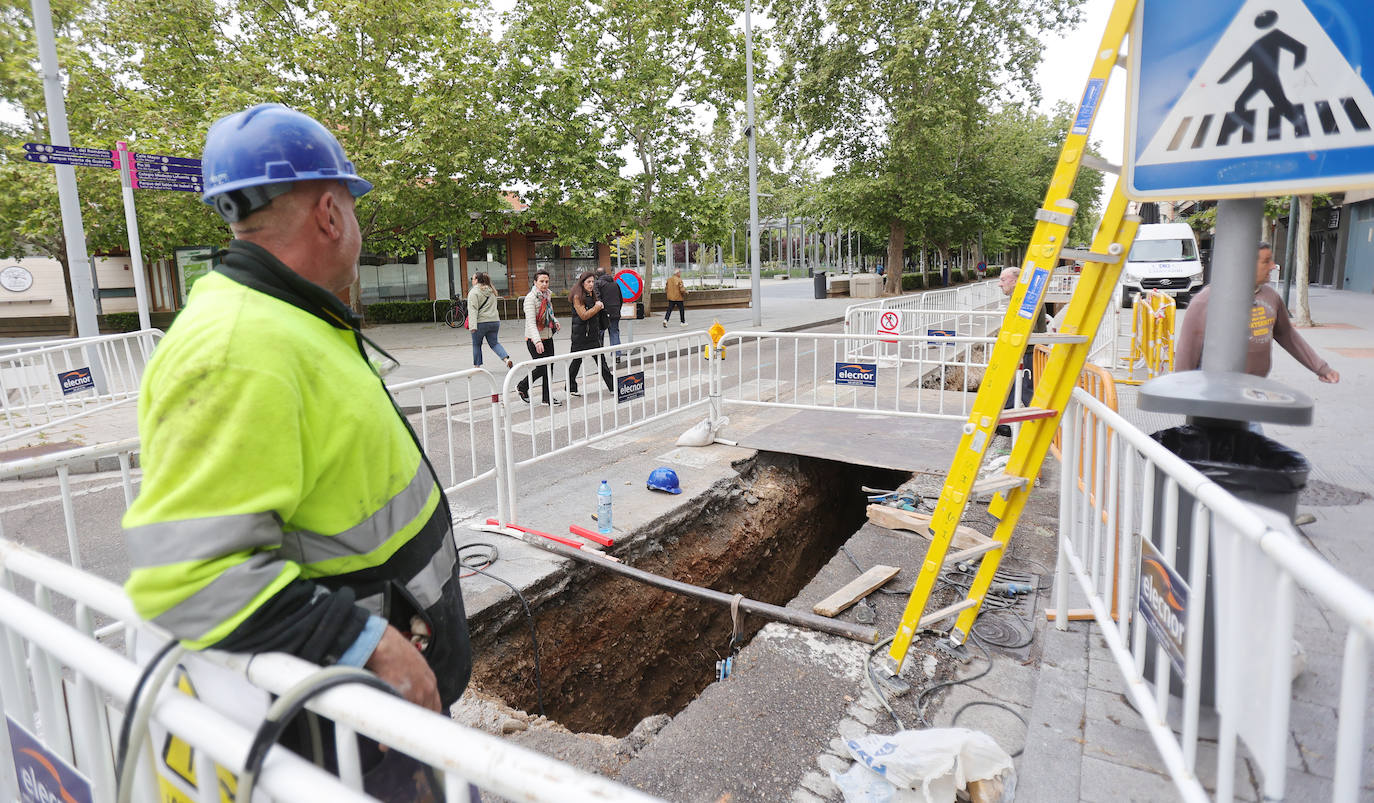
(407,87)
(593,81)
(896,91)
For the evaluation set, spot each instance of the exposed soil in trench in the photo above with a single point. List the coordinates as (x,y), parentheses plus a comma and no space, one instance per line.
(614,651)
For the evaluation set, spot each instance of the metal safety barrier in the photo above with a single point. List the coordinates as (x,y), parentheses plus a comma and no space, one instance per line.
(815,371)
(1152,335)
(60,381)
(458,419)
(1140,496)
(978,295)
(661,377)
(56,680)
(61,464)
(915,323)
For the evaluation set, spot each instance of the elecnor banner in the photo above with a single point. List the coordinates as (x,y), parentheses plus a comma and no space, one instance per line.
(75,380)
(629,387)
(1163,602)
(862,374)
(43,775)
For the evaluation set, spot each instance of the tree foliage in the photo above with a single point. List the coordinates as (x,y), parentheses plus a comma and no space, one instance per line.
(899,94)
(590,81)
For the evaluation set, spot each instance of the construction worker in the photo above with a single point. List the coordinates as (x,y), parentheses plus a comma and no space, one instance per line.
(1269,322)
(286,504)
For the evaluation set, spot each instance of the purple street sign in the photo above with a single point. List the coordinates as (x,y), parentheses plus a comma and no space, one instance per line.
(63,159)
(153,175)
(143,160)
(68,151)
(156,169)
(166,185)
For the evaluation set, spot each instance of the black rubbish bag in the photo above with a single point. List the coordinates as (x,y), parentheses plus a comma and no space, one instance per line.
(1249,465)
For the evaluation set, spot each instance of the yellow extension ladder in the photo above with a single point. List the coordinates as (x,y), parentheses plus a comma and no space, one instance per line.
(1096,289)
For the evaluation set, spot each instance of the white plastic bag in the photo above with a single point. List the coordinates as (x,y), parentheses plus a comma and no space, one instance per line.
(703,434)
(923,766)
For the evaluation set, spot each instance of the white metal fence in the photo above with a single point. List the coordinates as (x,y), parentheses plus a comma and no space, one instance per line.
(457,417)
(977,295)
(661,377)
(1119,487)
(56,678)
(932,377)
(867,322)
(60,381)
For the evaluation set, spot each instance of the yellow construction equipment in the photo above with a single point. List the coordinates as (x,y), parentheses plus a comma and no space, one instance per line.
(1096,289)
(1152,336)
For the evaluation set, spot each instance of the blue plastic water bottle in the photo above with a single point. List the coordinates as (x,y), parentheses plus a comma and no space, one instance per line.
(603,508)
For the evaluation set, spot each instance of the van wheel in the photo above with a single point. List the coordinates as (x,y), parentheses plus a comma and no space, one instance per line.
(1181,300)
(1125,298)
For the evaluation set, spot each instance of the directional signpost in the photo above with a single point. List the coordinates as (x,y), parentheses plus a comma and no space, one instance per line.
(66,155)
(157,172)
(1250,98)
(144,171)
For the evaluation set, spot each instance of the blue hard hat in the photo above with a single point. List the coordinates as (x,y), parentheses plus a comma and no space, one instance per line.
(254,155)
(663,479)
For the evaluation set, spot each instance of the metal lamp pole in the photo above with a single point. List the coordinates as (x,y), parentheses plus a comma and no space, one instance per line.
(78,262)
(754,267)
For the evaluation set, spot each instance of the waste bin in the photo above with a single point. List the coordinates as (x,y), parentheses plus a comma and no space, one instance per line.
(1251,467)
(819,280)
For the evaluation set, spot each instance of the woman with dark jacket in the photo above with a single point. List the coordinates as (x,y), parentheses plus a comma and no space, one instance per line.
(586,329)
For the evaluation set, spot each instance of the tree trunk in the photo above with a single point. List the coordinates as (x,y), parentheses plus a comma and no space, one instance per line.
(650,264)
(896,242)
(1302,314)
(71,299)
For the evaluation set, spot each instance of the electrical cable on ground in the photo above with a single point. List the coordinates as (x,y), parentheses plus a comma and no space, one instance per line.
(929,690)
(992,704)
(479,566)
(982,641)
(873,685)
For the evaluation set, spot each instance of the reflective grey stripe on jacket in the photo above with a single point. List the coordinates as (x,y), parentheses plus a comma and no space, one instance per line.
(201,539)
(306,547)
(231,591)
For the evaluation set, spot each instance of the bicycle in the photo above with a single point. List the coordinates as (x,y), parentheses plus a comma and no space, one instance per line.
(457,315)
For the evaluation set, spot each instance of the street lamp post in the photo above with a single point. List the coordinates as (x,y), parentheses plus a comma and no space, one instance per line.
(756,287)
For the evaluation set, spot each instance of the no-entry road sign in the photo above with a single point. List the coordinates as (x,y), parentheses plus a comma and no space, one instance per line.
(1244,98)
(631,285)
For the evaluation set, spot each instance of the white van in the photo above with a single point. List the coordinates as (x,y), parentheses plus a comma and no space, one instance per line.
(1163,257)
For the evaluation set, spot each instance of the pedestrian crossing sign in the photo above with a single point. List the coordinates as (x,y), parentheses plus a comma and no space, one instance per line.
(1250,98)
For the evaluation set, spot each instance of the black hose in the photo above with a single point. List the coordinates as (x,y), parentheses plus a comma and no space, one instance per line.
(488,560)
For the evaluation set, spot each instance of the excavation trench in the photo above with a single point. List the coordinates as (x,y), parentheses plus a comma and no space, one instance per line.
(613,650)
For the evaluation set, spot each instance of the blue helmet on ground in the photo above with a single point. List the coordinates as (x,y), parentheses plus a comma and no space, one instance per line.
(259,153)
(663,479)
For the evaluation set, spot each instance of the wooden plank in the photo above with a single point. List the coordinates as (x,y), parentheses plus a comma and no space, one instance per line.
(896,519)
(855,590)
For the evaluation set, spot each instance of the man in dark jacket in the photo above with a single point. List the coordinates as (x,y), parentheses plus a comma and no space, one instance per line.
(609,293)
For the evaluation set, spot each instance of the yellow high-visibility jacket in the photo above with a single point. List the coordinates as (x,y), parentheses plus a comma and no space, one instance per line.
(284,497)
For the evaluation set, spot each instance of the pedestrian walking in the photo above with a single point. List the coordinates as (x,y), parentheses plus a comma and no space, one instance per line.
(676,292)
(279,512)
(586,329)
(609,292)
(540,327)
(1269,322)
(484,319)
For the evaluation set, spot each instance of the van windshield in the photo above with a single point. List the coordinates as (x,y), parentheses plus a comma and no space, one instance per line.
(1162,251)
